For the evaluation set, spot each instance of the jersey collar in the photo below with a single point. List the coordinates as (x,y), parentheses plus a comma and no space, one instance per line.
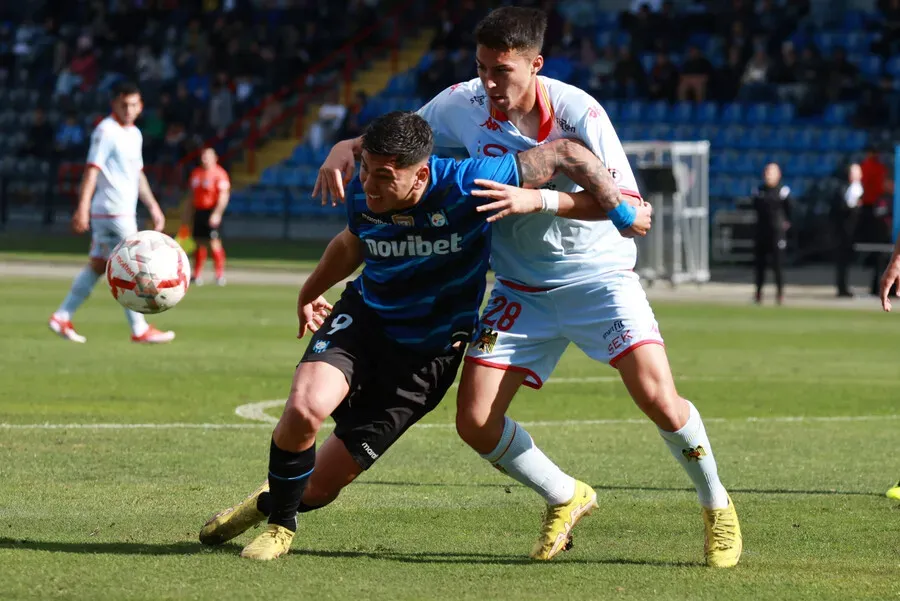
(544,106)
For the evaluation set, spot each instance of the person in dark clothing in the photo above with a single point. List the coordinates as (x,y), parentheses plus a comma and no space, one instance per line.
(773,212)
(844,215)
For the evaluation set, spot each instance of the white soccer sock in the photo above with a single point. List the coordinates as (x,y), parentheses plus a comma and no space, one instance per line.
(517,456)
(82,286)
(690,446)
(137,322)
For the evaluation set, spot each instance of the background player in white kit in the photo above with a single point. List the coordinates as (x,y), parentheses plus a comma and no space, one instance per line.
(107,202)
(578,286)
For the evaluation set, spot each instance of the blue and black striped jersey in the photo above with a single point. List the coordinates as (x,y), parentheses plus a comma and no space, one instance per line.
(424,267)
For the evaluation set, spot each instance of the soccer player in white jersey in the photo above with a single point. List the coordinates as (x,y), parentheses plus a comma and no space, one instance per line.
(890,283)
(578,285)
(107,203)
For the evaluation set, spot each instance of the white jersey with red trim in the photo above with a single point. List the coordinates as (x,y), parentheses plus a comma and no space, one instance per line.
(541,250)
(116,151)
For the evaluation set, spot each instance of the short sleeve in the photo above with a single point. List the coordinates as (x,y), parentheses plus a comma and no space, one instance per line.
(597,132)
(101,148)
(442,115)
(224,182)
(462,174)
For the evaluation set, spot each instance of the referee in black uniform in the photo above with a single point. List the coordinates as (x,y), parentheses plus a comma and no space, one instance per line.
(771,202)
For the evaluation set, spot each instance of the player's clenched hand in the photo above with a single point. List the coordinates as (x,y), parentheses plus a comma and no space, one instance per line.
(335,173)
(215,220)
(506,200)
(80,222)
(312,315)
(642,221)
(159,220)
(890,278)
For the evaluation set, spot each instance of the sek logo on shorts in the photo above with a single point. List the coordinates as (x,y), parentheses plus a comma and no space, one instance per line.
(320,346)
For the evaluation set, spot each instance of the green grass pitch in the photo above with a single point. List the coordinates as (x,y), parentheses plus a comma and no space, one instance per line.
(800,405)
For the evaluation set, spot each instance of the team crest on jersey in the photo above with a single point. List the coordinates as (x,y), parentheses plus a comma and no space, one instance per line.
(491,125)
(486,340)
(404,220)
(694,453)
(438,219)
(321,346)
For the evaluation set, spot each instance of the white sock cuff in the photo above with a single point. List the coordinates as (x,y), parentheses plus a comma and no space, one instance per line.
(689,429)
(509,430)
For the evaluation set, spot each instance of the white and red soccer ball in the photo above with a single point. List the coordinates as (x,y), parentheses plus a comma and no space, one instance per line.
(148,272)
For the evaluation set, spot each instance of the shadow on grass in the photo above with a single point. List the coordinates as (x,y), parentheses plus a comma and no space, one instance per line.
(600,487)
(195,548)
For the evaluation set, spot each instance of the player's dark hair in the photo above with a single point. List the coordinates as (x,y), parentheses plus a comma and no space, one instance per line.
(403,135)
(512,28)
(125,88)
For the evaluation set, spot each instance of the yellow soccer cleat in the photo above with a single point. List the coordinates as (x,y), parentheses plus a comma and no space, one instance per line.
(723,544)
(894,492)
(233,521)
(560,519)
(271,544)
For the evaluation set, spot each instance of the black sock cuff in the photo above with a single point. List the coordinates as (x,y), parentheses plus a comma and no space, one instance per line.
(287,465)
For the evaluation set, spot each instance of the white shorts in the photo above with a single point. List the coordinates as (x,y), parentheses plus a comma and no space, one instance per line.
(527,330)
(106,233)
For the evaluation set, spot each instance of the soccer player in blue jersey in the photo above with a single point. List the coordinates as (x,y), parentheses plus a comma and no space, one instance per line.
(390,348)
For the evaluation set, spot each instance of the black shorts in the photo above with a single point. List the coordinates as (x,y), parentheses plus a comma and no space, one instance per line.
(391,387)
(202,231)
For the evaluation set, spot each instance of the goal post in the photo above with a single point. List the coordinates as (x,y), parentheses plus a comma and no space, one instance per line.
(674,178)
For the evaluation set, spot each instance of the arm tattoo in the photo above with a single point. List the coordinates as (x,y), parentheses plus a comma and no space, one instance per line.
(571,158)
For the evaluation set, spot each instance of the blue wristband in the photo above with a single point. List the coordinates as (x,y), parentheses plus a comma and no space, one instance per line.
(622,216)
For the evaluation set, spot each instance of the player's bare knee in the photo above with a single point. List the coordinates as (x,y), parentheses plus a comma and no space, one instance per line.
(98,265)
(302,417)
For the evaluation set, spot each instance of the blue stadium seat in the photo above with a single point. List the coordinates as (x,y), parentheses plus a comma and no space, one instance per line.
(757,113)
(855,140)
(706,112)
(718,187)
(270,176)
(836,114)
(657,112)
(662,132)
(632,111)
(733,113)
(682,112)
(612,109)
(684,132)
(782,114)
(743,165)
(892,67)
(869,65)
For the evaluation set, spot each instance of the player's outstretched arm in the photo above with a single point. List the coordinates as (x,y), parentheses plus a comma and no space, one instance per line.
(890,278)
(146,196)
(340,259)
(337,170)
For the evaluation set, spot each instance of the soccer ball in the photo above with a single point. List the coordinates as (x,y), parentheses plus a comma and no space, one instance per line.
(148,272)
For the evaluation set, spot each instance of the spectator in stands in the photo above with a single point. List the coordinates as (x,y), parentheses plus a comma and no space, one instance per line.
(772,205)
(810,75)
(439,74)
(754,83)
(785,76)
(355,121)
(629,75)
(221,105)
(843,78)
(696,71)
(331,116)
(844,215)
(601,72)
(464,62)
(877,104)
(644,32)
(39,143)
(729,76)
(662,82)
(70,137)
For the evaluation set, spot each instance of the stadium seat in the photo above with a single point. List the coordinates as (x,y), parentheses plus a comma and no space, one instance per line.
(733,113)
(706,112)
(757,114)
(782,114)
(836,114)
